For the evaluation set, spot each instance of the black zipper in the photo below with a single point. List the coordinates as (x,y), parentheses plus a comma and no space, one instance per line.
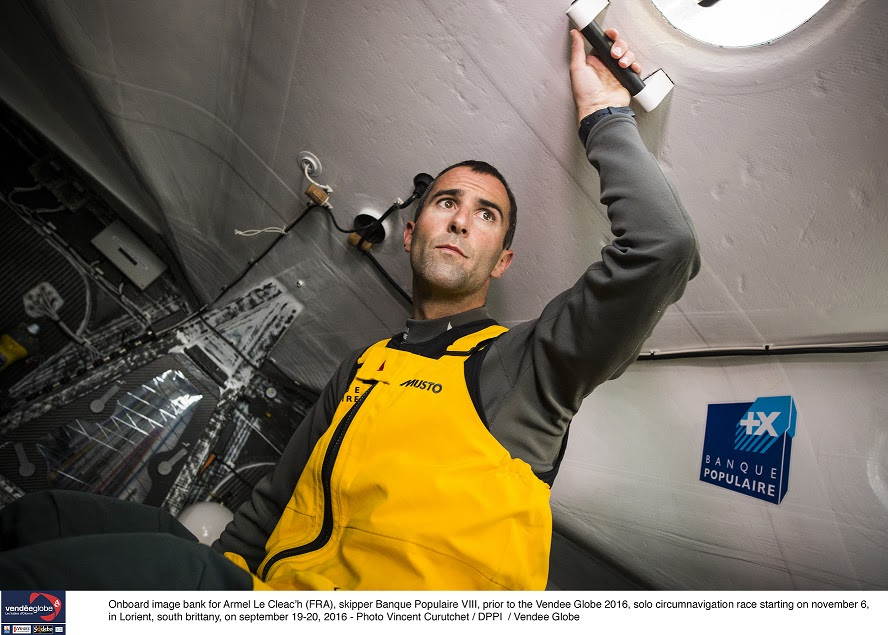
(326,473)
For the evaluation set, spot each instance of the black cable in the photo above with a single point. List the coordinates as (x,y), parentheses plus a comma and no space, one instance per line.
(235,473)
(373,222)
(255,261)
(250,265)
(765,351)
(386,275)
(336,225)
(227,341)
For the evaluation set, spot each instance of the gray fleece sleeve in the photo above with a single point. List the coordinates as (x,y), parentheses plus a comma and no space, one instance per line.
(535,377)
(253,523)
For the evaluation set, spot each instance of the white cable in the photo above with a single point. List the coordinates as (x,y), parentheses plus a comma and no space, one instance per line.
(254,232)
(45,301)
(306,166)
(18,190)
(29,217)
(80,340)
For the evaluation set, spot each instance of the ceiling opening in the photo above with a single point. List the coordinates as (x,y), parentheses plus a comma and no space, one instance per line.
(738,23)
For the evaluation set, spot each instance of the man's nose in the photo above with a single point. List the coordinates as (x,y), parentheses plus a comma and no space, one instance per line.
(459,222)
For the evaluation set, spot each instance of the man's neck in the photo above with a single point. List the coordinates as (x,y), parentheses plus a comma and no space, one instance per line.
(430,306)
(434,310)
(418,331)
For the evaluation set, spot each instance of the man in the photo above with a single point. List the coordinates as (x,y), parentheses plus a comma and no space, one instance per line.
(427,460)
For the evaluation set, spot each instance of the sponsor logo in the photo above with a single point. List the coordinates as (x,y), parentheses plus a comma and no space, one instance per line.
(33,607)
(353,394)
(43,628)
(423,385)
(747,447)
(21,628)
(6,628)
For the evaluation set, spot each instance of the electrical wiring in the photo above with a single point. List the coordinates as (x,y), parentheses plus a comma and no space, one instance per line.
(398,204)
(282,231)
(199,312)
(335,224)
(44,301)
(46,304)
(256,232)
(18,190)
(255,261)
(306,166)
(41,210)
(386,275)
(48,229)
(766,350)
(87,311)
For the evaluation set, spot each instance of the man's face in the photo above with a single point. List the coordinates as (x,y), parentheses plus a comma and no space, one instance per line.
(456,245)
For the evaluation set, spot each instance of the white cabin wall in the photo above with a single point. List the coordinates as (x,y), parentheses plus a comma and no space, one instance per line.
(629,485)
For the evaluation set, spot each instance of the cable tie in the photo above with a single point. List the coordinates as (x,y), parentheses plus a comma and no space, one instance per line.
(305,167)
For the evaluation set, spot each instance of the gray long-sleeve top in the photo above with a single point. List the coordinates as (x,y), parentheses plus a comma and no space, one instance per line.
(534,377)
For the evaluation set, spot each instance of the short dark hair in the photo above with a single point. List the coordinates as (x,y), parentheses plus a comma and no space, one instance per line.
(481,167)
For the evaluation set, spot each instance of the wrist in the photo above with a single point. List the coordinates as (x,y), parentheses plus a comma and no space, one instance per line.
(588,122)
(588,109)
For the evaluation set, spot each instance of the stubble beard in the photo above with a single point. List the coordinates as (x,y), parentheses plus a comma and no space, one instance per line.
(434,277)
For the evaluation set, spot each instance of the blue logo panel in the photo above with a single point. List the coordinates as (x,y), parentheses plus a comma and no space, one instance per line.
(33,612)
(747,446)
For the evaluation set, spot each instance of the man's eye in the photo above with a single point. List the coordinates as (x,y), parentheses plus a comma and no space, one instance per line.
(487,215)
(446,203)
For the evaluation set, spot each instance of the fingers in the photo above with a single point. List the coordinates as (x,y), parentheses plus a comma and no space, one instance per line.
(577,50)
(620,51)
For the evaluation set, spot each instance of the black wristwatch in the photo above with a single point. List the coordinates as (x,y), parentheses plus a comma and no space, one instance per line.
(590,120)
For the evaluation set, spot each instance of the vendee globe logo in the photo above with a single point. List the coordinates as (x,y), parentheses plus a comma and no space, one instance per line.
(54,602)
(748,445)
(33,607)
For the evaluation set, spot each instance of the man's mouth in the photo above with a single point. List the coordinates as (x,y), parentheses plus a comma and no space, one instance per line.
(452,248)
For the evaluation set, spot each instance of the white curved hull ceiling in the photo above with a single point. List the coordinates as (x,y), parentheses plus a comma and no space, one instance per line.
(777,151)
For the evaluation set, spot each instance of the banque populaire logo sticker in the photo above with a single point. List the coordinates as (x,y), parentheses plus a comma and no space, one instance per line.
(747,447)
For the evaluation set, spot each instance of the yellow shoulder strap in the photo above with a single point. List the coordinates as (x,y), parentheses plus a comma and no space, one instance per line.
(467,343)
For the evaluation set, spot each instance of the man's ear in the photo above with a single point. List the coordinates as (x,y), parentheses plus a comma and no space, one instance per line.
(502,264)
(408,235)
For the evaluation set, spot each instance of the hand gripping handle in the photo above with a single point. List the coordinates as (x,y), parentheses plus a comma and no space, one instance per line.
(648,93)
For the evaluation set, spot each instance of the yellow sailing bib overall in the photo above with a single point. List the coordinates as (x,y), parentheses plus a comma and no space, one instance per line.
(407,489)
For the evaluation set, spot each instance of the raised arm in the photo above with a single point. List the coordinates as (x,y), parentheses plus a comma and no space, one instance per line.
(594,86)
(535,377)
